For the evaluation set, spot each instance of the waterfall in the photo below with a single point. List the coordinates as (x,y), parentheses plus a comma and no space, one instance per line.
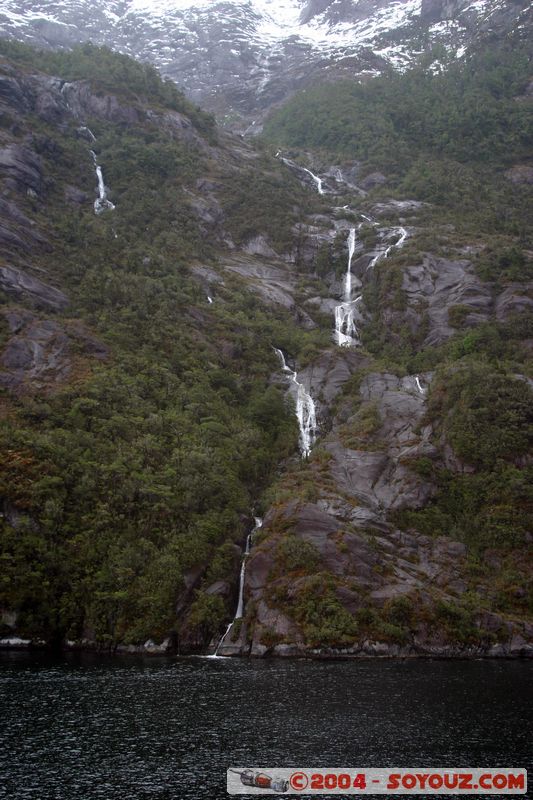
(209,300)
(305,409)
(403,236)
(316,179)
(348,279)
(281,357)
(382,254)
(240,603)
(101,203)
(419,385)
(83,129)
(346,333)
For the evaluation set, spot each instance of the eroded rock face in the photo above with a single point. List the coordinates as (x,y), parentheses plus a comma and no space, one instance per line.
(19,284)
(360,559)
(38,355)
(22,168)
(515,299)
(380,478)
(435,286)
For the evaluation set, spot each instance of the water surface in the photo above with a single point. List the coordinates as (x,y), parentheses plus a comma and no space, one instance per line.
(86,728)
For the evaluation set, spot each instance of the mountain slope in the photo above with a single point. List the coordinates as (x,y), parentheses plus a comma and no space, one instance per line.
(240,58)
(137,420)
(174,301)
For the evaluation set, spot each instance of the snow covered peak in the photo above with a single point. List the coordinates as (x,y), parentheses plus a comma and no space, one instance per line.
(238,57)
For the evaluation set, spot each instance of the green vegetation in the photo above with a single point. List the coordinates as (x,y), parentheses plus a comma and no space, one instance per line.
(136,476)
(466,113)
(446,137)
(110,71)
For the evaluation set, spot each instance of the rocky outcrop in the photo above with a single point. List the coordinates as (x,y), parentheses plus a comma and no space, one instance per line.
(82,102)
(20,285)
(521,173)
(21,168)
(274,283)
(432,288)
(514,299)
(38,355)
(377,568)
(380,477)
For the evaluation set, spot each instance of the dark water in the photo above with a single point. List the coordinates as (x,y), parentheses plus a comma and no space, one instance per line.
(89,728)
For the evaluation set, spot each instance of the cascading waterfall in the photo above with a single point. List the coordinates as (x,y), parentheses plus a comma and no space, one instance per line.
(305,409)
(346,333)
(240,603)
(382,254)
(419,385)
(87,132)
(316,179)
(101,203)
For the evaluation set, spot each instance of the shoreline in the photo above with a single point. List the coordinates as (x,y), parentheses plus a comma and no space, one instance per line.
(523,652)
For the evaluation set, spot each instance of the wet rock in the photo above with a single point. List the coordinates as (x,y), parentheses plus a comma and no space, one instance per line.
(208,211)
(397,207)
(219,588)
(268,280)
(177,126)
(19,284)
(329,372)
(208,274)
(49,104)
(18,234)
(518,646)
(12,94)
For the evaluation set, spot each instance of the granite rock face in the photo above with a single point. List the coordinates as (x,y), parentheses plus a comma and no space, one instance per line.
(358,559)
(20,285)
(38,355)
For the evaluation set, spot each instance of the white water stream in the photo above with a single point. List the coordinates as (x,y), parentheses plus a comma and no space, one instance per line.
(292,164)
(305,409)
(240,603)
(316,179)
(101,203)
(346,333)
(419,385)
(382,254)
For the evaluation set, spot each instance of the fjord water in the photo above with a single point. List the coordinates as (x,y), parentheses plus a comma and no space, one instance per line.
(88,728)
